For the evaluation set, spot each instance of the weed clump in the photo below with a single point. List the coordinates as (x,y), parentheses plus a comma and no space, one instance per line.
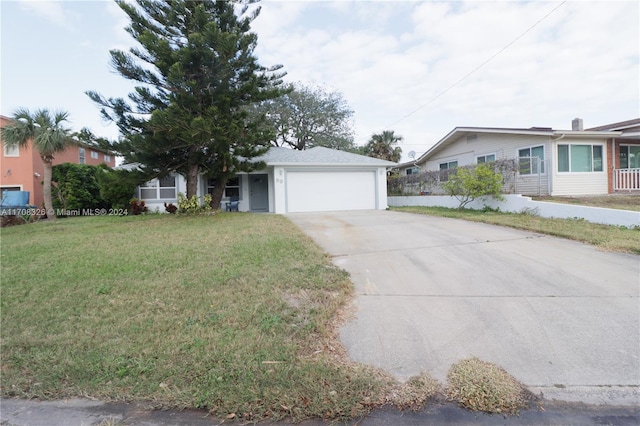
(481,386)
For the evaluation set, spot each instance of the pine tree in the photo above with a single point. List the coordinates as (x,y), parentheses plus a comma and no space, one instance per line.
(197,76)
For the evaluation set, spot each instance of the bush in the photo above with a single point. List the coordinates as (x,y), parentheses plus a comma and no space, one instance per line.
(192,205)
(467,184)
(117,186)
(76,187)
(137,207)
(482,386)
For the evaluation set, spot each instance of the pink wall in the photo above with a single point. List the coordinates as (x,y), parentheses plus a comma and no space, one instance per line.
(23,171)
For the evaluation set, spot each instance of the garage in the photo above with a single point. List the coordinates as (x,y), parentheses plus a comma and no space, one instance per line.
(330,190)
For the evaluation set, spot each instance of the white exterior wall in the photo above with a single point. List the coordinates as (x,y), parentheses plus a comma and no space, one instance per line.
(584,183)
(502,145)
(516,203)
(277,187)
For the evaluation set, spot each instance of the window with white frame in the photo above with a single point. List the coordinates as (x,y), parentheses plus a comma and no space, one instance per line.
(95,155)
(485,158)
(232,189)
(413,170)
(107,158)
(530,158)
(580,158)
(158,189)
(629,156)
(81,156)
(11,150)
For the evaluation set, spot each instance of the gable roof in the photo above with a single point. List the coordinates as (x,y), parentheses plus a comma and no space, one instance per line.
(621,125)
(459,132)
(319,155)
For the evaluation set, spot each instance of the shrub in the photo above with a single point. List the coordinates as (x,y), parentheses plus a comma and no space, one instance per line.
(76,187)
(482,386)
(192,205)
(117,186)
(467,184)
(137,207)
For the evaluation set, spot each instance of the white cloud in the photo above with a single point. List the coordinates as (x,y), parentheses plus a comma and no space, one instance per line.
(51,10)
(390,59)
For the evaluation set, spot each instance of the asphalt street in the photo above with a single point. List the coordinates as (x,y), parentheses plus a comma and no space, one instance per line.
(560,316)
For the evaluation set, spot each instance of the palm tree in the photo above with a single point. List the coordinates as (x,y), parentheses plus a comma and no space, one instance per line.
(381,146)
(49,137)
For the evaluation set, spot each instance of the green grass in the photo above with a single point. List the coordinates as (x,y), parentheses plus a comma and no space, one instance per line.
(605,237)
(232,313)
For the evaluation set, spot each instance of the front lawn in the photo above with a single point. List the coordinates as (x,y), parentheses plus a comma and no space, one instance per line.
(233,313)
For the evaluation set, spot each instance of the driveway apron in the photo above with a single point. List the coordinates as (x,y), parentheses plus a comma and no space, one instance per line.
(560,316)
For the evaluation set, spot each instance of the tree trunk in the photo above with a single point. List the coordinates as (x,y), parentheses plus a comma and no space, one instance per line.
(46,188)
(192,180)
(218,192)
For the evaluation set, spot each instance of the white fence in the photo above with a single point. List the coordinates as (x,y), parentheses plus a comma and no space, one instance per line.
(517,203)
(626,179)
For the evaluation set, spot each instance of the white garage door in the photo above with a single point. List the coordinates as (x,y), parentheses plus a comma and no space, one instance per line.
(330,191)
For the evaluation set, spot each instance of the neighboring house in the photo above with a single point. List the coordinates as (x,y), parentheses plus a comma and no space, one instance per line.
(600,160)
(21,168)
(318,179)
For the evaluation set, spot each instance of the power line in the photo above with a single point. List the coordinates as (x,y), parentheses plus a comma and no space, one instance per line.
(478,67)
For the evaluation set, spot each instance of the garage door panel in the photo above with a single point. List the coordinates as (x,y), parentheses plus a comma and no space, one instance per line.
(330,191)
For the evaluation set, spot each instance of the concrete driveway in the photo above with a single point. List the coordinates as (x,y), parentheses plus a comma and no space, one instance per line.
(560,316)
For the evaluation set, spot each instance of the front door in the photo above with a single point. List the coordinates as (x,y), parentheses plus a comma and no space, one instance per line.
(259,193)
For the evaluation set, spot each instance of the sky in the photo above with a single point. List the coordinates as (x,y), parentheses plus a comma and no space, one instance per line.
(419,68)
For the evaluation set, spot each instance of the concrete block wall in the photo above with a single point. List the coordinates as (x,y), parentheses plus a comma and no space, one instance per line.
(517,203)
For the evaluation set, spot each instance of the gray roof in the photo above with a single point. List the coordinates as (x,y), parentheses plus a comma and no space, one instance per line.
(319,156)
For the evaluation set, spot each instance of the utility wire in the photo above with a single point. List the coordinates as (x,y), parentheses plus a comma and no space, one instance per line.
(478,67)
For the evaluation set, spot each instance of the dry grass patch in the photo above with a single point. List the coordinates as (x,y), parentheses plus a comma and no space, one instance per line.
(415,393)
(482,386)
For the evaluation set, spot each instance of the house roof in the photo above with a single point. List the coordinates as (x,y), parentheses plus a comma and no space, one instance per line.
(621,125)
(277,156)
(459,132)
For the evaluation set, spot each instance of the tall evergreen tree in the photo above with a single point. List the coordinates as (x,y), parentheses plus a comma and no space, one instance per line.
(197,75)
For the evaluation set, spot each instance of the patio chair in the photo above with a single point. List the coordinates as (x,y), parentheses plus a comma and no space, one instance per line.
(233,203)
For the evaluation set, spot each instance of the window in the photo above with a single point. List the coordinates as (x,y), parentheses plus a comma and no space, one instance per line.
(11,151)
(231,189)
(413,171)
(107,158)
(449,165)
(81,156)
(446,169)
(164,188)
(485,158)
(630,156)
(580,158)
(528,161)
(94,155)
